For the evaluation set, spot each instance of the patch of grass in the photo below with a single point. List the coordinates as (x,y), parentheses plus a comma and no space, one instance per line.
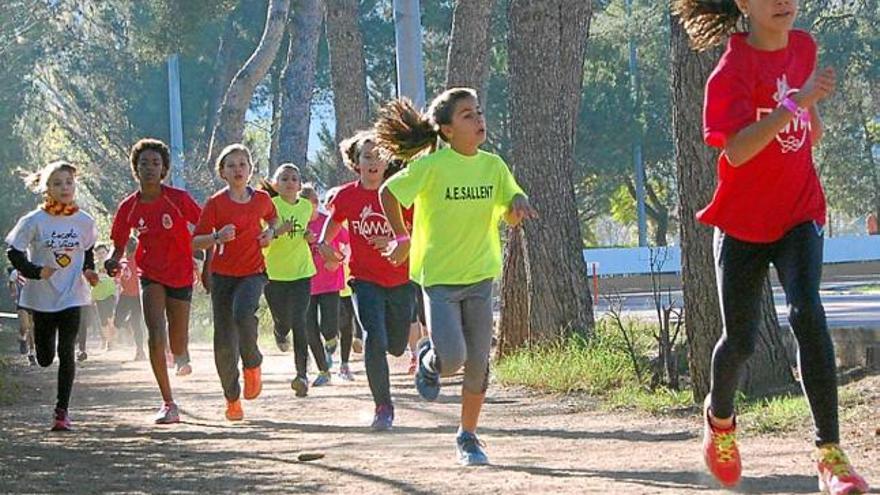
(784,413)
(9,388)
(867,289)
(657,402)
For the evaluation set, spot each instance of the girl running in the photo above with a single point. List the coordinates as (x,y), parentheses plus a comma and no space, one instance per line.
(128,309)
(26,346)
(160,217)
(290,269)
(323,317)
(52,246)
(382,293)
(231,224)
(104,295)
(460,193)
(350,339)
(760,111)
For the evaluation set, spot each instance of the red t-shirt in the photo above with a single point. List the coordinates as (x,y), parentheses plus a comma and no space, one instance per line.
(778,188)
(362,209)
(164,250)
(129,282)
(243,255)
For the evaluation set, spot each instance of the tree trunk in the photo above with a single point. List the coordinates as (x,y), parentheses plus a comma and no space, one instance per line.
(229,126)
(348,73)
(467,59)
(696,179)
(549,37)
(514,325)
(769,370)
(408,49)
(298,81)
(221,76)
(275,132)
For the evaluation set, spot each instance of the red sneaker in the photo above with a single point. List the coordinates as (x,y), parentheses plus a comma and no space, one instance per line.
(62,420)
(720,451)
(836,474)
(253,383)
(233,410)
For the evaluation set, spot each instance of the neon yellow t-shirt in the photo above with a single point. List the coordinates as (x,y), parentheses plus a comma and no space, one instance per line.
(458,202)
(288,257)
(105,289)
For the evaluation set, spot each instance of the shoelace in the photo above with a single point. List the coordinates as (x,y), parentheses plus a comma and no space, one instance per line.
(725,445)
(471,442)
(835,460)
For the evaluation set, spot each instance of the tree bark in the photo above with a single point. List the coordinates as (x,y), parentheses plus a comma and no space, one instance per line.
(467,59)
(514,323)
(695,163)
(548,37)
(298,81)
(221,76)
(229,126)
(348,72)
(770,369)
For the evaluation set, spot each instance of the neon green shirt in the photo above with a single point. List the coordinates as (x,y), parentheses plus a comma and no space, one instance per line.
(289,257)
(458,202)
(106,288)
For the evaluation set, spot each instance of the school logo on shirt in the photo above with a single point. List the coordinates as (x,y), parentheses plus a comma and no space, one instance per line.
(793,136)
(297,229)
(167,222)
(141,226)
(62,243)
(371,224)
(468,193)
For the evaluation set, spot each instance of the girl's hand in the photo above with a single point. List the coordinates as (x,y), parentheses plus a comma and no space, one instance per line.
(311,237)
(91,277)
(266,237)
(818,87)
(329,254)
(226,233)
(111,266)
(398,255)
(381,243)
(283,228)
(46,272)
(520,209)
(205,277)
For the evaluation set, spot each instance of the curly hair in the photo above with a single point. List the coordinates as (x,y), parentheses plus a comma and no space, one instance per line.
(151,145)
(351,148)
(707,22)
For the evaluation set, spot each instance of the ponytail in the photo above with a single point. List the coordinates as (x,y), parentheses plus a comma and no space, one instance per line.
(403,131)
(707,22)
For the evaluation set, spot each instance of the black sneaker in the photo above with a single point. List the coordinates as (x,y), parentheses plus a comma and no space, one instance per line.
(22,347)
(32,360)
(81,356)
(427,381)
(470,450)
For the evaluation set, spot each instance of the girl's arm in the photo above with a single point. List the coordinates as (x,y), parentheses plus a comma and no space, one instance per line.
(205,241)
(520,209)
(89,267)
(325,249)
(395,218)
(817,128)
(745,144)
(24,266)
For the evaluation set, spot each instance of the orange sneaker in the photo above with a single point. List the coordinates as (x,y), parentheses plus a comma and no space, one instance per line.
(253,383)
(720,451)
(233,410)
(836,474)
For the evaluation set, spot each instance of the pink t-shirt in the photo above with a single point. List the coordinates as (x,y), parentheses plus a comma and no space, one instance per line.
(325,281)
(777,189)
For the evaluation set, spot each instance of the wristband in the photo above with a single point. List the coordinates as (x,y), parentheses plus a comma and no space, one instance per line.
(800,113)
(401,238)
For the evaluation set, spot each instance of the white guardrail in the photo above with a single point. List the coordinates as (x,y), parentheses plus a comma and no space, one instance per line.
(606,262)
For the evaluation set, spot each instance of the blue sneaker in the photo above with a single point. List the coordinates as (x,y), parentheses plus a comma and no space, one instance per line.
(329,349)
(427,381)
(384,418)
(323,379)
(470,450)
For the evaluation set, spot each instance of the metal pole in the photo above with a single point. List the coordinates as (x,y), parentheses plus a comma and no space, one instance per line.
(174,111)
(637,142)
(408,37)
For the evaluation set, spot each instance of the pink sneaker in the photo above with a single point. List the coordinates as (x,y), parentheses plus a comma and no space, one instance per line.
(836,474)
(62,420)
(168,414)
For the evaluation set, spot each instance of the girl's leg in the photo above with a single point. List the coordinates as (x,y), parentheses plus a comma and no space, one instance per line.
(154,302)
(346,328)
(370,300)
(68,326)
(276,292)
(328,305)
(299,299)
(798,262)
(477,327)
(314,335)
(444,313)
(177,309)
(226,352)
(245,303)
(740,269)
(45,329)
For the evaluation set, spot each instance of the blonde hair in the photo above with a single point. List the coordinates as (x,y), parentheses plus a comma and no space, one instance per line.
(232,148)
(38,181)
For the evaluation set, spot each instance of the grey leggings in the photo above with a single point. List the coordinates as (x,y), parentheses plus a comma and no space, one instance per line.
(460,324)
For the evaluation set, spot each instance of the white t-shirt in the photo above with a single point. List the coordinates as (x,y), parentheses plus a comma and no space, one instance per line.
(59,242)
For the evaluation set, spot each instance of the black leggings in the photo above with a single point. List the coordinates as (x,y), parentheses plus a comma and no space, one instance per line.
(346,327)
(129,312)
(289,304)
(741,268)
(64,324)
(322,321)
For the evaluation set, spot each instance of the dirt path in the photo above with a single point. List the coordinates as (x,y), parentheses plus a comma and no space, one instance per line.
(537,444)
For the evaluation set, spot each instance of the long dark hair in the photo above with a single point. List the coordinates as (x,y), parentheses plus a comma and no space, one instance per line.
(708,22)
(404,132)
